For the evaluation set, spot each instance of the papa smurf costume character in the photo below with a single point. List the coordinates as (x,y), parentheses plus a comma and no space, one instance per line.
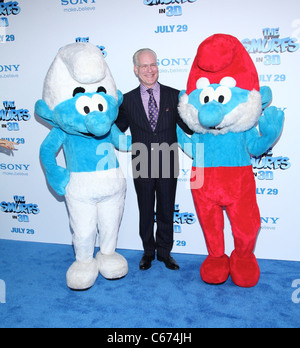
(222,105)
(81,102)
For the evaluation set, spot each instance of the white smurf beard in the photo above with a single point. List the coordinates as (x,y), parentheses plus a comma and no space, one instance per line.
(242,118)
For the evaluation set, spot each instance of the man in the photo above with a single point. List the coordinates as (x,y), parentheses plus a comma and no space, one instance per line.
(151,113)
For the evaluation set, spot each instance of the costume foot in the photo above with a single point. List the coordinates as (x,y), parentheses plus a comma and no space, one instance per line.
(112,266)
(215,270)
(81,275)
(244,271)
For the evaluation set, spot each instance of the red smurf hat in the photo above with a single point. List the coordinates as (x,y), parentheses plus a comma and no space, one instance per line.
(222,56)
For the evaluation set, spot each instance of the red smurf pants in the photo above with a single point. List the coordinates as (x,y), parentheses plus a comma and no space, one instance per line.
(234,189)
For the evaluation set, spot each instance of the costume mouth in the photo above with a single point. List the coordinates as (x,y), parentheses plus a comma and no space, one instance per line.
(87,134)
(216,128)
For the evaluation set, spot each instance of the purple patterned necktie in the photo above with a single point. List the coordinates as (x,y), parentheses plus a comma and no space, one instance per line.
(153,109)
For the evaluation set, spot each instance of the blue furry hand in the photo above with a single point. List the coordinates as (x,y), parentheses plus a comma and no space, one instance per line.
(59,180)
(271,123)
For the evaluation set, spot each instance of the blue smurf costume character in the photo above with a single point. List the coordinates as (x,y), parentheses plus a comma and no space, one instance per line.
(81,102)
(223,105)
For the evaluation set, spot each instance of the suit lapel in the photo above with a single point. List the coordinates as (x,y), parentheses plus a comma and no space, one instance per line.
(138,100)
(162,105)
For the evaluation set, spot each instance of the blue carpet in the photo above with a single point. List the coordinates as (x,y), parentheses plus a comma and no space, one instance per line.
(37,295)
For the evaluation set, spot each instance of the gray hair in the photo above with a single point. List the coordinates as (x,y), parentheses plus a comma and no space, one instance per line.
(136,55)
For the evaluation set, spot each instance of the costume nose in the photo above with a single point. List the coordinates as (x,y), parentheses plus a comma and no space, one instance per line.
(211,114)
(98,123)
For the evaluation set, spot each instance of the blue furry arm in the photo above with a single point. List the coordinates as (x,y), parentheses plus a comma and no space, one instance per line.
(58,177)
(270,128)
(43,111)
(121,141)
(185,142)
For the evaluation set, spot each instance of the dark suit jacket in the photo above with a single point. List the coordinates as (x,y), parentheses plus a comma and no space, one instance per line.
(150,158)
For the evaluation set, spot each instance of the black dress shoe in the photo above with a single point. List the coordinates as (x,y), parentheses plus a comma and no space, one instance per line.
(169,262)
(146,262)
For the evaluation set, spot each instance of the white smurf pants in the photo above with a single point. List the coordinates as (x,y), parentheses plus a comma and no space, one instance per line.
(95,202)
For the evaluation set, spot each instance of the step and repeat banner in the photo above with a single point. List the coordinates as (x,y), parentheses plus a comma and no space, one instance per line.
(32,32)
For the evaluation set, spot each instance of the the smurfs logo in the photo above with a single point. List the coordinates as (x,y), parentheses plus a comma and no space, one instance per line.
(12,116)
(266,164)
(182,218)
(166,2)
(11,113)
(272,45)
(87,39)
(7,9)
(173,8)
(19,206)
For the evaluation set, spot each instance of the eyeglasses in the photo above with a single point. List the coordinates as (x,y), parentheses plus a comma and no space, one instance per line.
(146,66)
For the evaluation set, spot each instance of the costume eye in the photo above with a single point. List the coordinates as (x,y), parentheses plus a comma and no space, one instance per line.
(101,89)
(78,90)
(99,103)
(84,105)
(223,95)
(207,95)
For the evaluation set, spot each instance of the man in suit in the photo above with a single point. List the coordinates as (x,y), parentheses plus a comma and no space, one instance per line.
(151,113)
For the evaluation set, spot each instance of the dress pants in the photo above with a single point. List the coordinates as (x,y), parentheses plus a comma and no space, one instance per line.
(164,191)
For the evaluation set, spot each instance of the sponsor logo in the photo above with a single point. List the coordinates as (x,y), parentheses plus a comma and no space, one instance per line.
(170,65)
(77,2)
(78,5)
(14,169)
(269,223)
